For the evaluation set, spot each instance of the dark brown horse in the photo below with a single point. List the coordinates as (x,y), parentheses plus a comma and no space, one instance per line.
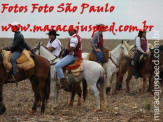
(39,77)
(146,70)
(76,88)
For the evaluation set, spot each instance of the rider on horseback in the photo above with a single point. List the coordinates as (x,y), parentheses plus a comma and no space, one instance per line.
(141,44)
(54,45)
(97,43)
(74,52)
(17,47)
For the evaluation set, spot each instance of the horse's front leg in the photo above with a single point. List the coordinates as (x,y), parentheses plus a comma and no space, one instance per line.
(118,85)
(2,106)
(79,90)
(108,82)
(144,83)
(129,77)
(73,92)
(54,88)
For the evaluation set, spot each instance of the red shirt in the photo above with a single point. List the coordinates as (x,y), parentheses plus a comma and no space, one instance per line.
(101,41)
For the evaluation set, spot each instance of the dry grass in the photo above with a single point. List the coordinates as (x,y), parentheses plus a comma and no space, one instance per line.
(120,107)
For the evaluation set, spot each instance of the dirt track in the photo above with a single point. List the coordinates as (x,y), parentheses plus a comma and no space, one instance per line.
(120,107)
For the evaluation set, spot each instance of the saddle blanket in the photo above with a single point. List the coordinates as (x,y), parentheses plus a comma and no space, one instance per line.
(75,68)
(24,62)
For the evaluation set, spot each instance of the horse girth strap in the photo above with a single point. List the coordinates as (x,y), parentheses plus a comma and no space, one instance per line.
(113,60)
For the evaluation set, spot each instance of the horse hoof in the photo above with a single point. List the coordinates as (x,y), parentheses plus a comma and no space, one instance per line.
(79,104)
(32,112)
(98,110)
(70,105)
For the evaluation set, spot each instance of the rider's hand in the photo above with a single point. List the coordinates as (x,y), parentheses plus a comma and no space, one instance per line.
(98,50)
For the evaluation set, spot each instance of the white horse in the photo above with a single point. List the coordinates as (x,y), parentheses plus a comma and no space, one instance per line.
(93,74)
(111,67)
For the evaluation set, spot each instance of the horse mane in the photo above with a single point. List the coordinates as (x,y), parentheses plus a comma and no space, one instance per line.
(46,53)
(127,45)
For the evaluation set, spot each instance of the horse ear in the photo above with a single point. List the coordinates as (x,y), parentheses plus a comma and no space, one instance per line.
(40,43)
(122,41)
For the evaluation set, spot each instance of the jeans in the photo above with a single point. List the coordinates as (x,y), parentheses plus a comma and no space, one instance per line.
(14,56)
(62,63)
(99,55)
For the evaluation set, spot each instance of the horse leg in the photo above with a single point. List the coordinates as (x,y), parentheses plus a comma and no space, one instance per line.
(97,95)
(2,106)
(79,90)
(42,92)
(109,84)
(36,94)
(129,77)
(144,84)
(118,82)
(54,88)
(152,84)
(111,88)
(149,86)
(73,92)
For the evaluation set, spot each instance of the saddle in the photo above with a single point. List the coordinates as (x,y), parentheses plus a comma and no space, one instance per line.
(75,68)
(92,56)
(24,62)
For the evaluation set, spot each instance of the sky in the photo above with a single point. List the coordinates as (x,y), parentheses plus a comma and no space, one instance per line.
(126,12)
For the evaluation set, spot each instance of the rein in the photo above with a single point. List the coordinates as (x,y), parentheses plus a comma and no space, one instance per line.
(117,66)
(110,57)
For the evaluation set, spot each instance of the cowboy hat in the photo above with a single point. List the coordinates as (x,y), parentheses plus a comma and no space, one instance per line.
(15,23)
(52,32)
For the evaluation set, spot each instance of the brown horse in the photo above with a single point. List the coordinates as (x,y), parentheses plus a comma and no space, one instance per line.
(39,77)
(76,88)
(146,70)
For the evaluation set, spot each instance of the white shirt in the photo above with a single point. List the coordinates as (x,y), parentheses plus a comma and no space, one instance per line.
(138,45)
(73,43)
(56,44)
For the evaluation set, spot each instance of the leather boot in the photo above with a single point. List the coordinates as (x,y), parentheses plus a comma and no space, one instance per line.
(64,83)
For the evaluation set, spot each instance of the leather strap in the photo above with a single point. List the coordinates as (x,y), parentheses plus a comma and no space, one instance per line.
(113,60)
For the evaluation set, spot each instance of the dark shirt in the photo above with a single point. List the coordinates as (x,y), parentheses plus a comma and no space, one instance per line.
(19,43)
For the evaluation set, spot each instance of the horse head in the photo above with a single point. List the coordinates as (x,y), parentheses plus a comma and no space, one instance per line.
(124,48)
(36,49)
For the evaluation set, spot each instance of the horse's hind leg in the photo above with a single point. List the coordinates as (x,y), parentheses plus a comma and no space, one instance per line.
(97,95)
(36,94)
(42,92)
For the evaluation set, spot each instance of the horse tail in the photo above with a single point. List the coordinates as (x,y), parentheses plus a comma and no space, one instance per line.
(101,82)
(84,83)
(47,86)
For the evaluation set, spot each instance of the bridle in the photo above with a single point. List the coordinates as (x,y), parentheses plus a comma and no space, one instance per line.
(111,55)
(38,48)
